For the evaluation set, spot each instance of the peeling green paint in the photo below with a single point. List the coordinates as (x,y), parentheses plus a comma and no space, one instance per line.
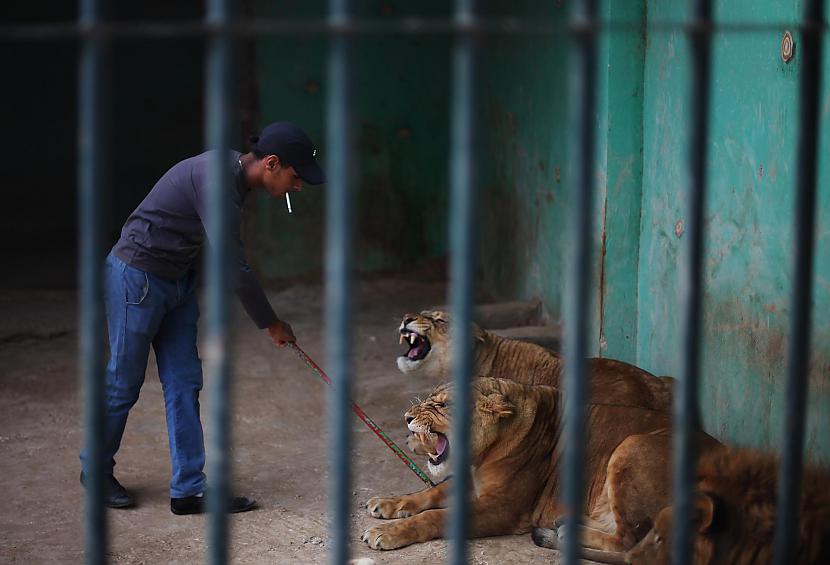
(748,259)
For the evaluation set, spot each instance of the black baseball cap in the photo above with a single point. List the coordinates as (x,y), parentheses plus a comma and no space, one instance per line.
(291,144)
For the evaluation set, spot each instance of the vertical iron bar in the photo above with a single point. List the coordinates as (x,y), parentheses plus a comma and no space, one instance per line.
(338,276)
(91,142)
(686,409)
(791,465)
(462,217)
(219,126)
(583,97)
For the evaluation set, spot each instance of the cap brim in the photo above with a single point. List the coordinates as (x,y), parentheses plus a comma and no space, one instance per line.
(311,173)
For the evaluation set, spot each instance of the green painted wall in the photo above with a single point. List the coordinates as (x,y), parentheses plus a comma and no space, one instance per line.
(401,121)
(401,112)
(619,180)
(523,158)
(748,225)
(641,166)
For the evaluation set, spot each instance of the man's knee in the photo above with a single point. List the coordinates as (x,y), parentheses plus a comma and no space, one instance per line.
(183,381)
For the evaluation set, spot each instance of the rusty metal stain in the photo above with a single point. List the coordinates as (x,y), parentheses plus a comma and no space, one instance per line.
(787,47)
(678,228)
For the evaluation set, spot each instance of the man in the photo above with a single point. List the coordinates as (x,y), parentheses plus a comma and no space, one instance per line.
(150,297)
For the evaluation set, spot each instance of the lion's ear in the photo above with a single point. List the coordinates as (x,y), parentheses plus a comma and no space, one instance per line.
(478,333)
(496,404)
(435,315)
(704,514)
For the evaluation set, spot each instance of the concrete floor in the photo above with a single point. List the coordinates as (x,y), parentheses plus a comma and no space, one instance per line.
(280,440)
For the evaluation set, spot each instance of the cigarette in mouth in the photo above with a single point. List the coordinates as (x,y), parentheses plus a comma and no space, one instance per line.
(288,202)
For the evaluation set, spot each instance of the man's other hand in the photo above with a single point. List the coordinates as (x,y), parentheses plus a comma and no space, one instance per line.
(281,333)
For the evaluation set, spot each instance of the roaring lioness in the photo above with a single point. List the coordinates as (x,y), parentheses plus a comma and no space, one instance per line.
(515,455)
(430,354)
(734,519)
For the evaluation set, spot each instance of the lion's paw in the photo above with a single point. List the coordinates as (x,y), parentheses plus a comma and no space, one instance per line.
(388,508)
(381,537)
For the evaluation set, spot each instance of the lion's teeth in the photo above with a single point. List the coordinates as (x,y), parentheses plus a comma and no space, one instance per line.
(412,338)
(401,340)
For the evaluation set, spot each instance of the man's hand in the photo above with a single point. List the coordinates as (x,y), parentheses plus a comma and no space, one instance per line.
(281,333)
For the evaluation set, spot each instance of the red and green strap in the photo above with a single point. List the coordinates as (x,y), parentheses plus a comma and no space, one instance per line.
(365,418)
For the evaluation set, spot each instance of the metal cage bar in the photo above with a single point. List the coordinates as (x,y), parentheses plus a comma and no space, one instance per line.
(91,157)
(338,277)
(686,417)
(219,126)
(791,464)
(583,95)
(462,214)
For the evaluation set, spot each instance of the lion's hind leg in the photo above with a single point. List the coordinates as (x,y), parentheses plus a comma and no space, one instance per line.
(546,537)
(608,527)
(593,534)
(636,485)
(601,521)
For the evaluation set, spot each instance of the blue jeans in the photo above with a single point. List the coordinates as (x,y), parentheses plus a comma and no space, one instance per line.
(142,311)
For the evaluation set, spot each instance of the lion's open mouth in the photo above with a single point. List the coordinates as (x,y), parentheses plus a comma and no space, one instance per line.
(436,445)
(418,344)
(442,450)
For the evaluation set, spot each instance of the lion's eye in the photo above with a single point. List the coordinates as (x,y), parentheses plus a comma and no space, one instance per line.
(441,404)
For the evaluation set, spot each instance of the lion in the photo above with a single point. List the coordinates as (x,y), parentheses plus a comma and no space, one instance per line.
(430,354)
(637,487)
(734,514)
(515,455)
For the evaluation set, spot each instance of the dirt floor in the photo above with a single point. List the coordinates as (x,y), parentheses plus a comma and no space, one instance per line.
(280,453)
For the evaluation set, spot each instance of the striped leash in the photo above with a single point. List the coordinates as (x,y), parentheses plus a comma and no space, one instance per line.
(365,419)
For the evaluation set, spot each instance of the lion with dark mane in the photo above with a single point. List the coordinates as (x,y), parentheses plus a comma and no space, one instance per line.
(734,514)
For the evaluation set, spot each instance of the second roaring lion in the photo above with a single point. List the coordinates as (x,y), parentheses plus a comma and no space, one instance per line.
(515,456)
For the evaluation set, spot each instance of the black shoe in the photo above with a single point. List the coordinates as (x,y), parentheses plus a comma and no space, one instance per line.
(115,495)
(196,505)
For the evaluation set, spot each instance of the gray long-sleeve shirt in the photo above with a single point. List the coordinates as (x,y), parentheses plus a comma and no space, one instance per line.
(165,234)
